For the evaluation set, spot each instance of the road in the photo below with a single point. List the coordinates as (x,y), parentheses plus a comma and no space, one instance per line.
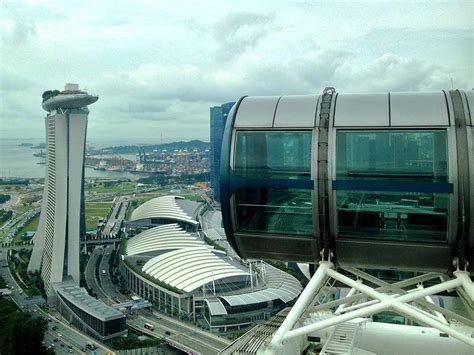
(178,334)
(10,228)
(70,338)
(14,200)
(15,247)
(69,335)
(17,294)
(101,241)
(116,217)
(183,336)
(91,278)
(191,330)
(6,246)
(105,282)
(186,338)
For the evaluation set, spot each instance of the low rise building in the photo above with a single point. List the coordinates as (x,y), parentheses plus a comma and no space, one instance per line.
(87,313)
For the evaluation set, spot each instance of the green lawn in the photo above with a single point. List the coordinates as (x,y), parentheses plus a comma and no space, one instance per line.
(22,208)
(95,211)
(15,188)
(31,226)
(5,216)
(116,188)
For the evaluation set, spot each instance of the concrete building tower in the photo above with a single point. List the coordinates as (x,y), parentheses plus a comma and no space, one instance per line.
(56,244)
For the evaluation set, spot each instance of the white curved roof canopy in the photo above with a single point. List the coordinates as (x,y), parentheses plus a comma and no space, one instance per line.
(188,263)
(188,269)
(165,237)
(162,207)
(280,285)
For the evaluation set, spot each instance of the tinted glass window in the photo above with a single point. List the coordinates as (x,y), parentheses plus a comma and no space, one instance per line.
(273,155)
(392,185)
(274,211)
(369,155)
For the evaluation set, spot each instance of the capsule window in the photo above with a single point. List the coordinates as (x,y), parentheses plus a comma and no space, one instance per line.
(274,211)
(273,155)
(392,185)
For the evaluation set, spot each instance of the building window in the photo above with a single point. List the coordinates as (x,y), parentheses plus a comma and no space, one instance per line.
(273,155)
(392,185)
(276,211)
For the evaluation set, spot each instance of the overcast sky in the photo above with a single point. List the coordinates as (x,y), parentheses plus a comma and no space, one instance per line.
(159,65)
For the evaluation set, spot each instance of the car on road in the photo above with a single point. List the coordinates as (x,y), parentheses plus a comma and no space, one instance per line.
(149,326)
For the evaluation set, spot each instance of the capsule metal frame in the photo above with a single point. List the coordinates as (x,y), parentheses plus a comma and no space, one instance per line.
(326,115)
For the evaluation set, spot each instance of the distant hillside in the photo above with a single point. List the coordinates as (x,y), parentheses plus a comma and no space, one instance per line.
(131,149)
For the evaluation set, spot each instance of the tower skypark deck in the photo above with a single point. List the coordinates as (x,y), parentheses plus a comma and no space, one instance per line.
(71,97)
(69,101)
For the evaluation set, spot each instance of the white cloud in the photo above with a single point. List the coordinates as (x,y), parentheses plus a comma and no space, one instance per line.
(158,66)
(239,32)
(391,72)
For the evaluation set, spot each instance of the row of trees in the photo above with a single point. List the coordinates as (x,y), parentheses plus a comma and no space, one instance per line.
(21,333)
(11,181)
(133,342)
(4,198)
(19,261)
(5,216)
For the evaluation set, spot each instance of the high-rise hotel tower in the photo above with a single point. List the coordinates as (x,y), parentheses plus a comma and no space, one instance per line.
(56,244)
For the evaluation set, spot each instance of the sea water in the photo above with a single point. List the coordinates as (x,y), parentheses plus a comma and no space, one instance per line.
(18,161)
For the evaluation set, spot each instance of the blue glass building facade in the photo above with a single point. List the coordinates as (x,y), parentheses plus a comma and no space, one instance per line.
(218,120)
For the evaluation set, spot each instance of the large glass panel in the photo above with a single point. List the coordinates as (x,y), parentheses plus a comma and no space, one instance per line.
(274,211)
(408,155)
(273,155)
(407,216)
(392,185)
